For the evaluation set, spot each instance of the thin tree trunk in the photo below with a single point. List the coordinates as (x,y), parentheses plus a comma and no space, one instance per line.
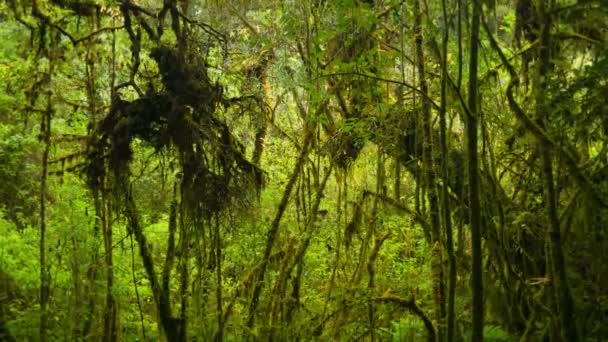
(45,132)
(474,202)
(109,331)
(76,301)
(565,304)
(563,296)
(170,254)
(218,269)
(371,269)
(169,324)
(447,220)
(184,277)
(91,277)
(274,227)
(298,258)
(110,319)
(459,30)
(430,180)
(102,210)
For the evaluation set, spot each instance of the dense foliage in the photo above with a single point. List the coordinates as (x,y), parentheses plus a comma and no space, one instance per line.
(202,170)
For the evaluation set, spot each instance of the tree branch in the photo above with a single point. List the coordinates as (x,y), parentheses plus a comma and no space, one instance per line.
(537,131)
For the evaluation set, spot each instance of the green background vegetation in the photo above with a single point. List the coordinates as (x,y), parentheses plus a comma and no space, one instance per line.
(303,170)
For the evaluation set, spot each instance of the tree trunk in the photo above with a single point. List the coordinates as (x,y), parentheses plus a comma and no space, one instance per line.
(430,180)
(447,220)
(169,324)
(218,269)
(109,331)
(45,134)
(274,227)
(563,297)
(474,202)
(184,276)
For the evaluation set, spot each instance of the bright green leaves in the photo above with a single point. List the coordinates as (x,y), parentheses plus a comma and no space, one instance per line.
(18,254)
(508,23)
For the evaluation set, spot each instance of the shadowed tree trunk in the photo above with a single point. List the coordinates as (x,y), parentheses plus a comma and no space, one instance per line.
(170,325)
(447,220)
(109,324)
(44,273)
(45,135)
(474,202)
(561,289)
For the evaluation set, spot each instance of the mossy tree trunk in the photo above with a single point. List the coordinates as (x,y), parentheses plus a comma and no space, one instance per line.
(445,200)
(170,325)
(473,171)
(561,289)
(430,177)
(45,137)
(274,227)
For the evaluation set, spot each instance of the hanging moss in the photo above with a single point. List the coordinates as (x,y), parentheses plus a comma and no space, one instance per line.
(181,116)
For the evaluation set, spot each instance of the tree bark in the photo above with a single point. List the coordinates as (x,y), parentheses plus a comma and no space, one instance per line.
(218,269)
(45,135)
(447,220)
(44,272)
(474,188)
(169,324)
(109,319)
(430,180)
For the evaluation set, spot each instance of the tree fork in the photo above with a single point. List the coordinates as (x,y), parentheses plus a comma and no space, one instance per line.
(170,324)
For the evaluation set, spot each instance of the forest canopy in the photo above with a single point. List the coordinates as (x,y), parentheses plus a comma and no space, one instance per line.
(386,170)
